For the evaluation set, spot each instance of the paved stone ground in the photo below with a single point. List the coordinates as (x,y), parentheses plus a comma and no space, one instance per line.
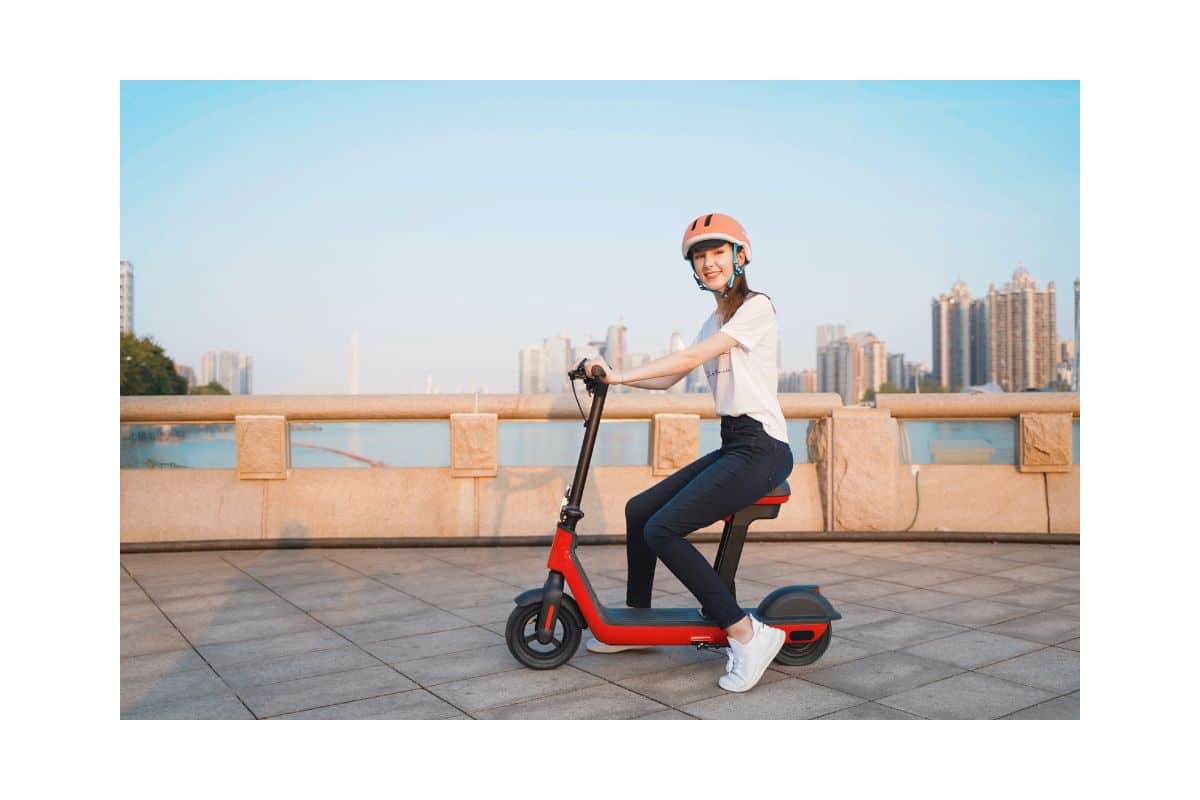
(930,630)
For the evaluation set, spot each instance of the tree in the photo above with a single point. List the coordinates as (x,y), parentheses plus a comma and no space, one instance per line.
(212,387)
(146,369)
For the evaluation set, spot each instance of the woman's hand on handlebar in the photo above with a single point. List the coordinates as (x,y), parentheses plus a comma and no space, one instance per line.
(600,362)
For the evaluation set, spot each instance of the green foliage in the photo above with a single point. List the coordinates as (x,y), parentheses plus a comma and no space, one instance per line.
(211,388)
(146,369)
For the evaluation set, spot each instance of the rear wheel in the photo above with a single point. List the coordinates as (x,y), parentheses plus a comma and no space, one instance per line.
(521,635)
(800,655)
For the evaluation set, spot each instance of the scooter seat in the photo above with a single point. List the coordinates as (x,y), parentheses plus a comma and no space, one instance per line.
(779,494)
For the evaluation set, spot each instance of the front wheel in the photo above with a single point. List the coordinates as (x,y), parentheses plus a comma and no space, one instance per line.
(521,635)
(801,655)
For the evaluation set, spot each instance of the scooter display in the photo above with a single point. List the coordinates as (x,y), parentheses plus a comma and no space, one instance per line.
(545,628)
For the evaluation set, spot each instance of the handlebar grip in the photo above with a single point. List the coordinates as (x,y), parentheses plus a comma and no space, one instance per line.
(598,371)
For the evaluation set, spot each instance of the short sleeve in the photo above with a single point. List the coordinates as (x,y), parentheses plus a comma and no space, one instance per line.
(751,322)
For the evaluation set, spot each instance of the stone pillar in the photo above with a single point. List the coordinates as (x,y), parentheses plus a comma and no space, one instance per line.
(474,445)
(262,447)
(864,465)
(1044,442)
(676,442)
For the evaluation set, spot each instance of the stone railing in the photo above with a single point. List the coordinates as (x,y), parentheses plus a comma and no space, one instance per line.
(854,479)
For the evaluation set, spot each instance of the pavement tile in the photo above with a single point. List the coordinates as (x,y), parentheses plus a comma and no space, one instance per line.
(379,630)
(451,667)
(297,622)
(1041,553)
(619,666)
(219,615)
(1065,707)
(1041,598)
(900,631)
(1037,573)
(975,613)
(368,596)
(302,665)
(790,698)
(841,651)
(982,565)
(213,706)
(411,704)
(873,567)
(197,604)
(1067,583)
(354,614)
(505,688)
(968,695)
(934,557)
(139,640)
(1073,644)
(859,589)
(177,591)
(980,586)
(925,577)
(316,574)
(411,648)
(301,694)
(914,601)
(855,614)
(688,684)
(1047,627)
(973,649)
(1052,668)
(158,665)
(882,674)
(480,615)
(221,655)
(146,692)
(595,702)
(870,711)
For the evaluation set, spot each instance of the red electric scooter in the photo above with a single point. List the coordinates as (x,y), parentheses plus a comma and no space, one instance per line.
(545,628)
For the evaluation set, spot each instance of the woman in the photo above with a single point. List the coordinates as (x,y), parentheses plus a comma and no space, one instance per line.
(737,346)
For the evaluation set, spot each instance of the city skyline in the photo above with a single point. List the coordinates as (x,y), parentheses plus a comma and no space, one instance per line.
(290,227)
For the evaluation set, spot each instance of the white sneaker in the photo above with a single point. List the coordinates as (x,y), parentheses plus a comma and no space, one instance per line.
(748,662)
(594,645)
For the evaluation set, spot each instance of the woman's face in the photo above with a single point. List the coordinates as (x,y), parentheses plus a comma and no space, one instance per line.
(715,267)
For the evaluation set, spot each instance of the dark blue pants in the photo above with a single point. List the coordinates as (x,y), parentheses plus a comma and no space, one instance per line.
(749,464)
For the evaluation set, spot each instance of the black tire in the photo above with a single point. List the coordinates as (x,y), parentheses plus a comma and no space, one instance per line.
(521,635)
(801,655)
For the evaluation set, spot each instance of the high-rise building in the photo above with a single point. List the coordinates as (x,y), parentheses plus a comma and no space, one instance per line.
(227,372)
(914,373)
(828,334)
(1075,372)
(615,351)
(532,370)
(558,363)
(188,374)
(126,297)
(951,317)
(245,375)
(589,350)
(208,368)
(1022,333)
(874,363)
(232,370)
(895,370)
(804,380)
(675,346)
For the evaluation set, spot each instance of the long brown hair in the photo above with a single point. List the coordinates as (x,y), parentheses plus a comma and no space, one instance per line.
(728,305)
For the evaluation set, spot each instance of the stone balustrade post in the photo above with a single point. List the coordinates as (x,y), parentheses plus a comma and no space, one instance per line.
(675,443)
(262,447)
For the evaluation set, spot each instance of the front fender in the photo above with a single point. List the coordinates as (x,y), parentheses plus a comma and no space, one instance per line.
(531,597)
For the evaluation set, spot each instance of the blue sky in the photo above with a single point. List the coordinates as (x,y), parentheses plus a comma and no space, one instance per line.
(453,223)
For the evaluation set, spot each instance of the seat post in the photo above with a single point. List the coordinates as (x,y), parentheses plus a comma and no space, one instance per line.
(729,552)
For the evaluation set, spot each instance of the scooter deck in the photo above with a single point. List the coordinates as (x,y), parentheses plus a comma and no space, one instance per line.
(671,616)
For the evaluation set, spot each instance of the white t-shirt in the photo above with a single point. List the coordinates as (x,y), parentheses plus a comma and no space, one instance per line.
(745,380)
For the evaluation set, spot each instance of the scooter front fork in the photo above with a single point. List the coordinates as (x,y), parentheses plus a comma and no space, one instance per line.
(551,599)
